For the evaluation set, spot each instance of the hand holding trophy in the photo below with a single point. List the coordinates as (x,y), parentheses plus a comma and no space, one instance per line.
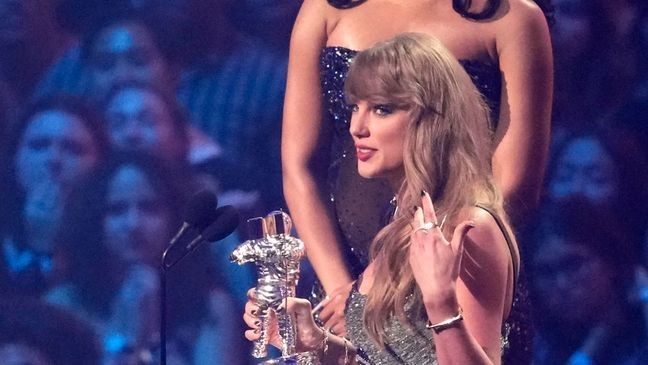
(277,255)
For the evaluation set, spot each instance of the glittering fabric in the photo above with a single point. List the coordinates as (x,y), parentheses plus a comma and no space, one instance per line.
(361,204)
(358,202)
(414,344)
(404,344)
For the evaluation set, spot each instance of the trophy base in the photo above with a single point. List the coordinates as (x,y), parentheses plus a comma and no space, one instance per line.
(302,358)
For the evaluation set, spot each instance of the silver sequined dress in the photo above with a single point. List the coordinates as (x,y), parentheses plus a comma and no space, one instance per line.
(414,344)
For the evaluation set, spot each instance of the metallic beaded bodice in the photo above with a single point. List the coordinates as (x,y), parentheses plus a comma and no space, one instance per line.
(414,344)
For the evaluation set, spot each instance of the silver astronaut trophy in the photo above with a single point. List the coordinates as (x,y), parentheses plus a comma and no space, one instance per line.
(277,255)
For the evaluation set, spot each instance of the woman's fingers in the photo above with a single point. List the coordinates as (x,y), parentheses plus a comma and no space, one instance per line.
(429,214)
(251,314)
(251,321)
(458,239)
(326,310)
(301,308)
(338,329)
(460,233)
(419,219)
(335,324)
(252,335)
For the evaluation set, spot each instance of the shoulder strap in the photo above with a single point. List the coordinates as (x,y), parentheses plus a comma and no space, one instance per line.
(509,242)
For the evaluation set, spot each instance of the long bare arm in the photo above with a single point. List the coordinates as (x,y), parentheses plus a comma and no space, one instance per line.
(523,132)
(483,291)
(305,148)
(472,271)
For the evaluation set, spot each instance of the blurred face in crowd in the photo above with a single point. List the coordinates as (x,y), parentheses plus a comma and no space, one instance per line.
(137,220)
(18,354)
(139,120)
(585,169)
(56,148)
(127,52)
(571,282)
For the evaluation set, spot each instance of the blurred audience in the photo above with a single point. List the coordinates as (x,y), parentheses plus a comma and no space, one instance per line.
(33,333)
(597,59)
(130,47)
(117,224)
(54,144)
(607,168)
(270,21)
(142,118)
(34,46)
(232,96)
(234,90)
(581,270)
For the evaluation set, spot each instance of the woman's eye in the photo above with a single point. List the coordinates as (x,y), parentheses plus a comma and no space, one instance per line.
(383,109)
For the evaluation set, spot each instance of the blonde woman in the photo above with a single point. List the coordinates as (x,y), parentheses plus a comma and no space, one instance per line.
(442,278)
(502,44)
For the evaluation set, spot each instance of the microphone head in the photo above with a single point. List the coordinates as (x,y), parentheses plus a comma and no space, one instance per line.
(201,209)
(226,222)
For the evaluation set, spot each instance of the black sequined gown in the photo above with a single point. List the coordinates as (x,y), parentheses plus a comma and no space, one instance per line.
(361,204)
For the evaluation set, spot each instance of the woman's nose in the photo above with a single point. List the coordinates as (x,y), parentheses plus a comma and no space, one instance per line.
(358,127)
(55,158)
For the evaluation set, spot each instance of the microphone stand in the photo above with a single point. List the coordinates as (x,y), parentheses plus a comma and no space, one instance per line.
(227,216)
(163,308)
(164,268)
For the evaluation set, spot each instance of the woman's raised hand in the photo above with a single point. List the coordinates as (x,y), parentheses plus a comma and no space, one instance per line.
(435,261)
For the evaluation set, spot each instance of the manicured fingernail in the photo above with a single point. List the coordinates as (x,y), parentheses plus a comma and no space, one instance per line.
(256,330)
(256,323)
(423,192)
(254,312)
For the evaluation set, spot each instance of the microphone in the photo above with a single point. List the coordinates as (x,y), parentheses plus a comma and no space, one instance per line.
(226,222)
(200,211)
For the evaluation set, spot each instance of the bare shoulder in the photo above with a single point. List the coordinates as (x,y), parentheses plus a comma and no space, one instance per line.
(315,21)
(521,15)
(321,5)
(486,240)
(318,11)
(522,10)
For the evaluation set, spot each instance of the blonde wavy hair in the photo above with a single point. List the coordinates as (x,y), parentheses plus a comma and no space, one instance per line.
(447,152)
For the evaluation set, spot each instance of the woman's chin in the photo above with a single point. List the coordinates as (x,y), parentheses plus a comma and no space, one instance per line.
(368,174)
